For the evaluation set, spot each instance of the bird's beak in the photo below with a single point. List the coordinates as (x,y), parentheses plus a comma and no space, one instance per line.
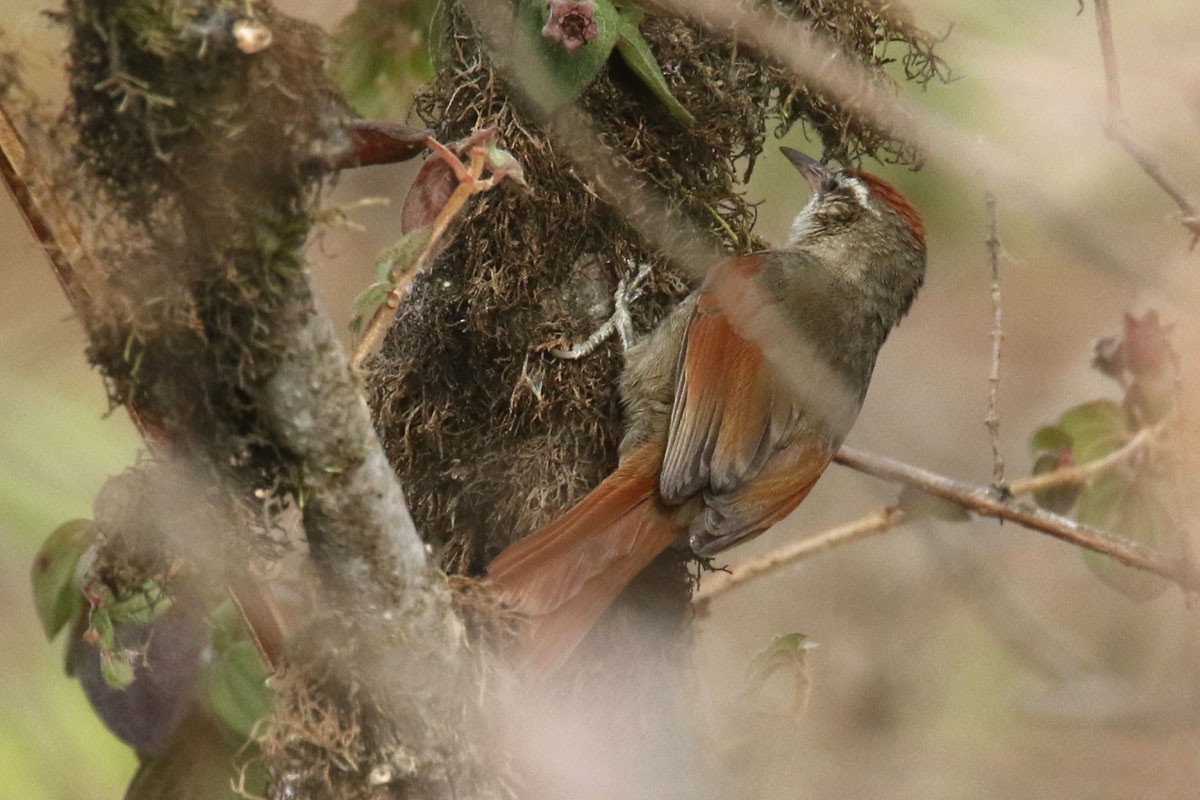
(812,170)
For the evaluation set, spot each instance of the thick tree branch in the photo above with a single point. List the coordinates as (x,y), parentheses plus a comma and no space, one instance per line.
(203,321)
(380,553)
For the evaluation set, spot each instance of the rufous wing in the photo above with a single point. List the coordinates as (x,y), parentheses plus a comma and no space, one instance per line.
(736,434)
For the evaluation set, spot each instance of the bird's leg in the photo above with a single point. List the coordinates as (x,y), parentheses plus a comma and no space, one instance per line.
(620,322)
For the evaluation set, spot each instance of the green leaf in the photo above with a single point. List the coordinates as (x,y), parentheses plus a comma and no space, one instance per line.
(384,55)
(117,667)
(1059,499)
(235,688)
(100,629)
(504,165)
(551,76)
(786,652)
(637,54)
(1096,429)
(203,762)
(395,259)
(365,304)
(1132,511)
(142,607)
(1101,500)
(1050,438)
(402,255)
(116,663)
(55,595)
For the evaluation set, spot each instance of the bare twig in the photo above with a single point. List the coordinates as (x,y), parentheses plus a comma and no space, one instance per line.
(470,182)
(1083,473)
(47,220)
(984,501)
(1108,52)
(868,525)
(891,517)
(1117,128)
(381,320)
(993,415)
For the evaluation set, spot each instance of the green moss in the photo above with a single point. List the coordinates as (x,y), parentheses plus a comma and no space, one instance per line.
(211,156)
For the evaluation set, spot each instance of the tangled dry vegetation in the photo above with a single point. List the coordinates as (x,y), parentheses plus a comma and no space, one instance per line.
(201,169)
(490,434)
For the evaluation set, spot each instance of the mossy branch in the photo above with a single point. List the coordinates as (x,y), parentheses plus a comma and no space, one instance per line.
(207,158)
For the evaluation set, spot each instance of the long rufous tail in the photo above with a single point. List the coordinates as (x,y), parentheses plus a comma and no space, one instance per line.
(563,576)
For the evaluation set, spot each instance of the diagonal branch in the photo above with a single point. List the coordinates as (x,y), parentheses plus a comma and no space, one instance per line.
(887,518)
(395,542)
(984,501)
(865,526)
(47,220)
(1116,127)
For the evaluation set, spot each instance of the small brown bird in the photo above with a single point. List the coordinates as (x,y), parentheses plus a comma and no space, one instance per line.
(734,405)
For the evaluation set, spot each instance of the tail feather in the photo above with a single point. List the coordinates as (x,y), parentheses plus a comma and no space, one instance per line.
(565,575)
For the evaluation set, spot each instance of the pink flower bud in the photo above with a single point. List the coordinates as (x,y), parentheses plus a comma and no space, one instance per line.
(572,23)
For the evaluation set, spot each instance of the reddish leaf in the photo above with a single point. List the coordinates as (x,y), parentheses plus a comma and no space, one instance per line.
(432,188)
(373,143)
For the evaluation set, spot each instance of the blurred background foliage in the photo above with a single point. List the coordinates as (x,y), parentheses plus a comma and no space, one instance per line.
(982,662)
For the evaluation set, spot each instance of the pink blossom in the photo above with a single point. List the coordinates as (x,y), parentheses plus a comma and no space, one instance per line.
(572,22)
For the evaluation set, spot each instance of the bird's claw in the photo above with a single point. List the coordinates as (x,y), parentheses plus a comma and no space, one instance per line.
(620,322)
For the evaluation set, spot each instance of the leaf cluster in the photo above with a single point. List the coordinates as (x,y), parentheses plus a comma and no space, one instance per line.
(1133,500)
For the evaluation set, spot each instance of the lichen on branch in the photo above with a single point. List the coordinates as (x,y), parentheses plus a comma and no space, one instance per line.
(203,134)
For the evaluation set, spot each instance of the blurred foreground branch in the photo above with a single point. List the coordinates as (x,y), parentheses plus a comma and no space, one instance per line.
(197,306)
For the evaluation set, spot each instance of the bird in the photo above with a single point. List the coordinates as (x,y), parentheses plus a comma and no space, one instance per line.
(734,406)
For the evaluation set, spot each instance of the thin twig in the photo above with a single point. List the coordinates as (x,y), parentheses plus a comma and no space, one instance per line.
(993,415)
(47,220)
(469,184)
(984,501)
(1117,128)
(872,523)
(868,525)
(1108,53)
(1082,473)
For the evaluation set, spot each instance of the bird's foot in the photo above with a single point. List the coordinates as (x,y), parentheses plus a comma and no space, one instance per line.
(620,322)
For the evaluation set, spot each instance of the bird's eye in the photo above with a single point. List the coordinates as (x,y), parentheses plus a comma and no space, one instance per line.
(828,185)
(840,208)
